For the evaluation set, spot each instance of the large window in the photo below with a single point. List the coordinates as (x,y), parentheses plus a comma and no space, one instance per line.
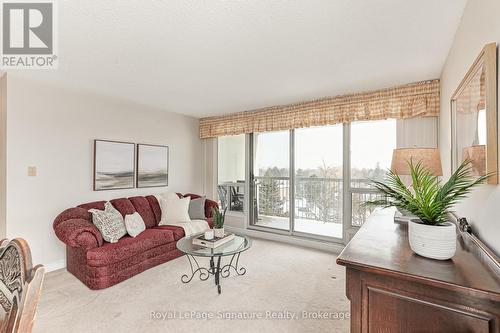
(298,182)
(231,172)
(372,143)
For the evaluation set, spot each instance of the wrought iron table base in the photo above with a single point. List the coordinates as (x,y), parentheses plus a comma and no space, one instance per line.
(216,270)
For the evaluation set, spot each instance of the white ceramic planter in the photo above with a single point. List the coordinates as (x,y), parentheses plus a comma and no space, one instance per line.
(219,232)
(433,241)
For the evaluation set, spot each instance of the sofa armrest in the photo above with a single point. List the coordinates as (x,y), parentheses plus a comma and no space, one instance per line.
(209,205)
(78,233)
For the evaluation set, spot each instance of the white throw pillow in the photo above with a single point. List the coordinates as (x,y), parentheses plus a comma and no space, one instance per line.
(174,210)
(167,196)
(134,224)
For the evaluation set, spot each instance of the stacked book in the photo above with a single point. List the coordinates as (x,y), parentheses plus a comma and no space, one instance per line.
(214,242)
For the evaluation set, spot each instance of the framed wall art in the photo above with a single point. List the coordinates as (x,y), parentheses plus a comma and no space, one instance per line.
(152,165)
(114,165)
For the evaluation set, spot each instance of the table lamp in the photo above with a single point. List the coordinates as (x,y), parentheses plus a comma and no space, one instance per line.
(428,157)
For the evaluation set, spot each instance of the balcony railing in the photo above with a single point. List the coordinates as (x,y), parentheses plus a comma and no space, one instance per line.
(232,196)
(359,212)
(317,199)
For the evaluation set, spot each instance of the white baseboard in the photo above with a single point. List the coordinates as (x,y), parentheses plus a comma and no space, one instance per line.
(315,244)
(55,265)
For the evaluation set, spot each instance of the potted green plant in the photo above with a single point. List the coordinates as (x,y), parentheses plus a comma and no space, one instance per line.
(219,218)
(430,234)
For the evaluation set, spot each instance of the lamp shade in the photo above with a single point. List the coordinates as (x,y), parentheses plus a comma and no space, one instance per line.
(428,157)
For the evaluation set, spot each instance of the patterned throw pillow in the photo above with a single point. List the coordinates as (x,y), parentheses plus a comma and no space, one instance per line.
(109,222)
(134,224)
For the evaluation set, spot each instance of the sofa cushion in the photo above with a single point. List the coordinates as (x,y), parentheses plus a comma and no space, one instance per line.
(128,247)
(131,264)
(155,207)
(142,206)
(177,232)
(93,205)
(124,206)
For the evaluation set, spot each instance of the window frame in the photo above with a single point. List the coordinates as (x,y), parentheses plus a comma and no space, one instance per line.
(227,185)
(348,230)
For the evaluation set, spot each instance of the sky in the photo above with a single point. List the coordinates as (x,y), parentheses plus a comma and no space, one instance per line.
(371,142)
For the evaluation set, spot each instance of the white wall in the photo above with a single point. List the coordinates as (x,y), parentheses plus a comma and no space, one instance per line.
(417,132)
(210,167)
(231,158)
(53,129)
(480,25)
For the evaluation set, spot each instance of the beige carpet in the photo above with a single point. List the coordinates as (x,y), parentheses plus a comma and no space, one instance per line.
(281,280)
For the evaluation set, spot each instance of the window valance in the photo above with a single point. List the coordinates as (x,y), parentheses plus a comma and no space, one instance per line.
(419,99)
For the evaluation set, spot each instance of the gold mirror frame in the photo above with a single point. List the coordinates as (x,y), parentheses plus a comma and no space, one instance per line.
(487,63)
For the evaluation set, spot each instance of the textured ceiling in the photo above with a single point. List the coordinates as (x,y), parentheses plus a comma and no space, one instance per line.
(212,57)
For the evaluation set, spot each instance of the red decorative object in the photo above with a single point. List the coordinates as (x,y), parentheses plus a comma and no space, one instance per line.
(99,264)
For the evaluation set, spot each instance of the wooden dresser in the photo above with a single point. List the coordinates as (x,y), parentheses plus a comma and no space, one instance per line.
(391,289)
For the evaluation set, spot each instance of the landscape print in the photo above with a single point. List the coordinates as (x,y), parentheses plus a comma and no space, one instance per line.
(152,165)
(113,165)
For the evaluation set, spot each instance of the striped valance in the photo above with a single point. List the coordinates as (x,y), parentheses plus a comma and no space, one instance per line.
(419,99)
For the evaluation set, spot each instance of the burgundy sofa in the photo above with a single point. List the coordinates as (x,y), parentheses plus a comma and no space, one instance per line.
(99,264)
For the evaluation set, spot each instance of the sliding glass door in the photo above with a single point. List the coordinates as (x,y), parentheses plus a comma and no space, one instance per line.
(318,180)
(270,180)
(296,181)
